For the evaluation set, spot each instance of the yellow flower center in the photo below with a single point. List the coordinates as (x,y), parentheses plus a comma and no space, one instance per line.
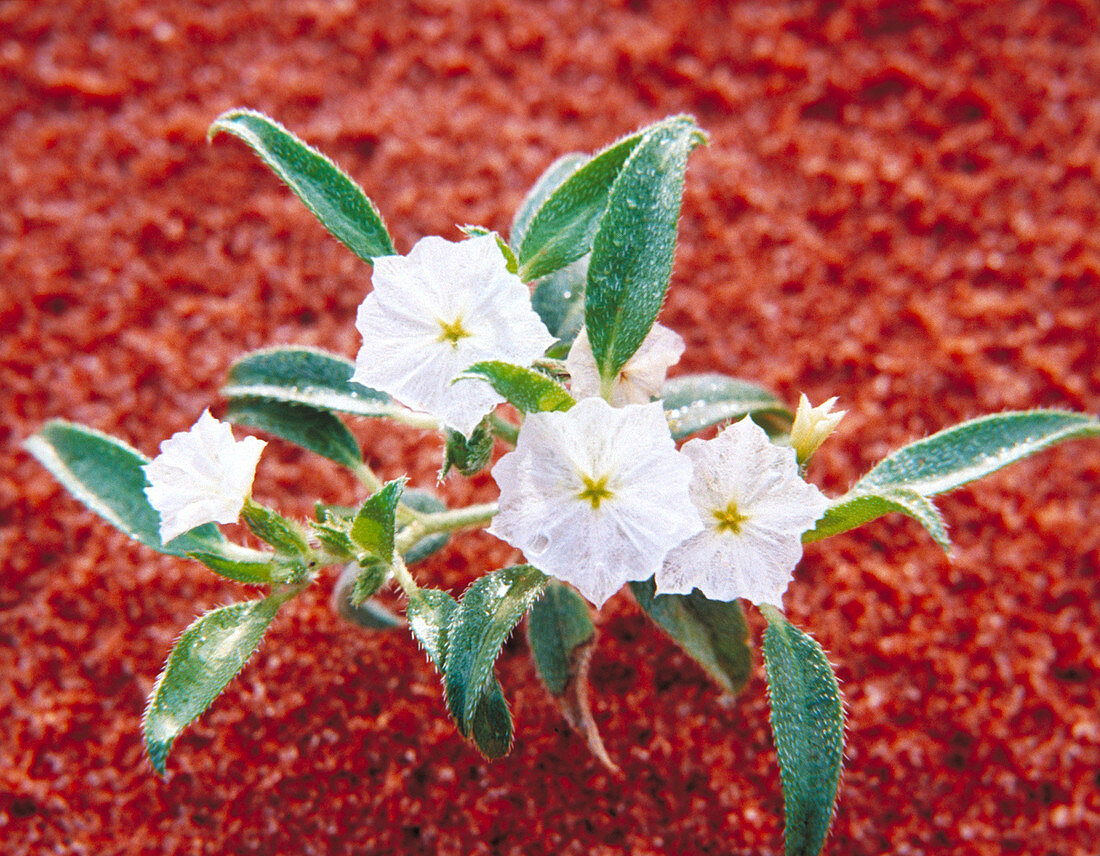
(452,332)
(595,490)
(729,518)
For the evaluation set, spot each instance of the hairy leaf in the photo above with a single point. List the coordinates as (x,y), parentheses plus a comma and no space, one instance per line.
(469,455)
(319,431)
(711,632)
(374,526)
(558,298)
(276,530)
(808,725)
(695,402)
(633,249)
(540,191)
(334,199)
(206,658)
(254,573)
(558,626)
(527,390)
(855,509)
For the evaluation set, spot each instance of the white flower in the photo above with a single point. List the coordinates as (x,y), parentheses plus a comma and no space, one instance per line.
(639,381)
(812,425)
(436,312)
(755,507)
(596,495)
(201,476)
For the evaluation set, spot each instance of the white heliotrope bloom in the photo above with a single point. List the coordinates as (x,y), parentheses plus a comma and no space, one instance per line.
(436,312)
(595,495)
(639,381)
(755,507)
(201,476)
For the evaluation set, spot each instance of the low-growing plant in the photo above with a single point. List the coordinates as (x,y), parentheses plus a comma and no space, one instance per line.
(559,321)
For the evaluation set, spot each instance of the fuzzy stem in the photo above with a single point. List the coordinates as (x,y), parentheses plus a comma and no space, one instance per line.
(507,431)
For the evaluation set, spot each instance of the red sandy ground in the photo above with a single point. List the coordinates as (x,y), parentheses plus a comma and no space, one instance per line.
(899,206)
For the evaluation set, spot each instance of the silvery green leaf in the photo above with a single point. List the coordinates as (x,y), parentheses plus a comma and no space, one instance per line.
(562,229)
(105,475)
(854,509)
(490,609)
(559,624)
(375,524)
(960,454)
(206,658)
(695,402)
(540,191)
(711,632)
(527,390)
(558,298)
(369,580)
(334,199)
(808,725)
(307,376)
(634,246)
(319,431)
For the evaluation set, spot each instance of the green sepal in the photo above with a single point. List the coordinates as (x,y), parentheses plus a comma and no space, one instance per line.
(253,573)
(209,654)
(550,180)
(509,257)
(528,390)
(106,475)
(633,249)
(276,530)
(375,525)
(469,455)
(307,376)
(563,227)
(558,298)
(490,609)
(695,402)
(369,581)
(429,614)
(559,625)
(316,430)
(807,721)
(714,633)
(335,200)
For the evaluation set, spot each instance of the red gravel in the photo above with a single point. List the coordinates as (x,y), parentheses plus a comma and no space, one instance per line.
(899,205)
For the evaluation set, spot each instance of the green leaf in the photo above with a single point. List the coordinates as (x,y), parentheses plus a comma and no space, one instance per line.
(509,257)
(808,724)
(307,376)
(469,455)
(633,249)
(207,657)
(254,573)
(855,509)
(558,626)
(374,526)
(540,191)
(562,229)
(276,530)
(558,298)
(489,611)
(949,459)
(695,402)
(426,503)
(712,632)
(105,475)
(960,454)
(316,430)
(430,612)
(334,199)
(527,390)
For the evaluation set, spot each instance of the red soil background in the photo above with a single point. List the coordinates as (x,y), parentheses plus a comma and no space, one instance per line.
(899,206)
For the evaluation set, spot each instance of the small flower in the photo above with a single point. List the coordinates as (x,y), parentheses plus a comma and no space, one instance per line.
(201,476)
(436,312)
(595,495)
(639,381)
(812,425)
(755,507)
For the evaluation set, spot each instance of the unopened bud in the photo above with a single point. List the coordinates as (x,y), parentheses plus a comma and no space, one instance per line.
(812,425)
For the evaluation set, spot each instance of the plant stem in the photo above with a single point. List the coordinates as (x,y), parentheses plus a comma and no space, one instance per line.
(501,427)
(402,575)
(472,516)
(367,476)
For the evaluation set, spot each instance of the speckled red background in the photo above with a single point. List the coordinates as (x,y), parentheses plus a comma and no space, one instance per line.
(899,205)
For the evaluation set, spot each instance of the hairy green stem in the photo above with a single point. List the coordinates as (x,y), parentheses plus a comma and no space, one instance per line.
(501,427)
(470,517)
